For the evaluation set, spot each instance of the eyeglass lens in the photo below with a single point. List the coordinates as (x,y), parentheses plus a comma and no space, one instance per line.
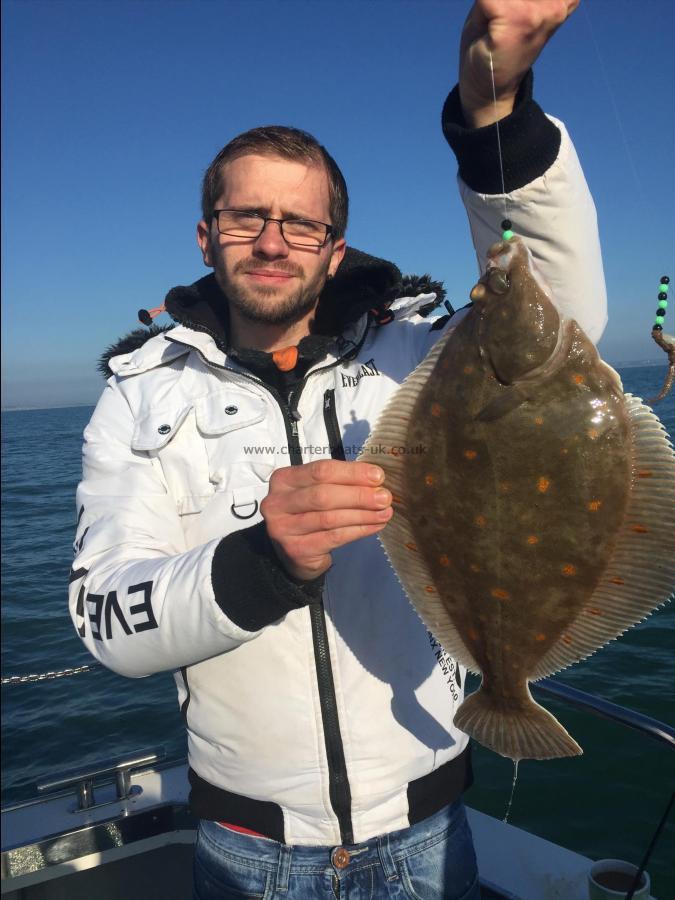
(303,232)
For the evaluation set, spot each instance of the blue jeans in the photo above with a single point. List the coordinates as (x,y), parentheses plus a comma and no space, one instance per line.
(432,860)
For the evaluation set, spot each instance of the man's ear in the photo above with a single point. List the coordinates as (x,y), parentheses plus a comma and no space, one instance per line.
(337,255)
(204,241)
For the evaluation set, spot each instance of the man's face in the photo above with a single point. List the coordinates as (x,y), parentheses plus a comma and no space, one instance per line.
(267,280)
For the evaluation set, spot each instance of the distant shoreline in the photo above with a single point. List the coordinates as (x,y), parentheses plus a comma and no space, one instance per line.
(39,408)
(631,364)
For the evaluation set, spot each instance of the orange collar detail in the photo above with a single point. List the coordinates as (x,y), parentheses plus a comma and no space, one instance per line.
(285,359)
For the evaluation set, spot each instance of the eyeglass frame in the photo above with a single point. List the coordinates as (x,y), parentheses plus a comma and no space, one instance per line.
(330,231)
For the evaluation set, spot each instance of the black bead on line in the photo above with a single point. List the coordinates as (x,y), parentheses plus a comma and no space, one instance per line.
(507,234)
(662,297)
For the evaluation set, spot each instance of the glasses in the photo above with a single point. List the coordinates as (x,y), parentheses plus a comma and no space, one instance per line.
(299,232)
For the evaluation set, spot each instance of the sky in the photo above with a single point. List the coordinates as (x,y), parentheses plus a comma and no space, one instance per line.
(112,111)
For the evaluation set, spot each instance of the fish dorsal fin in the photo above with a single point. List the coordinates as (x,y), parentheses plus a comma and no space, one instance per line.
(390,432)
(641,572)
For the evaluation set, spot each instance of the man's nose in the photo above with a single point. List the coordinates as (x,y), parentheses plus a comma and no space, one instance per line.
(270,241)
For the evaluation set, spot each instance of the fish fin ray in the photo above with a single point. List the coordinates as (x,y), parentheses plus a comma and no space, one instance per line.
(525,732)
(391,430)
(640,575)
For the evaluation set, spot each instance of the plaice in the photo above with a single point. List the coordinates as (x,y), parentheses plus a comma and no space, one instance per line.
(538,522)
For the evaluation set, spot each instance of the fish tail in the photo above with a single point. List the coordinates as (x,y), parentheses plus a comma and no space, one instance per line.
(521,731)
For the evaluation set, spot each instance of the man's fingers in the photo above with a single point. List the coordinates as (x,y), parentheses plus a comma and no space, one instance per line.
(319,497)
(312,509)
(326,471)
(322,543)
(334,519)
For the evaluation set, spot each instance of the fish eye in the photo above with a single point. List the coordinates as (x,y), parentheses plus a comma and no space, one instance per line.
(498,280)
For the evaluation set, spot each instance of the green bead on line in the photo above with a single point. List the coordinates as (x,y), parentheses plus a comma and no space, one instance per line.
(663,288)
(663,304)
(659,320)
(507,235)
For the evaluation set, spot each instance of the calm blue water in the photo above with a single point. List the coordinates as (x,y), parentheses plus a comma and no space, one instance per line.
(606,803)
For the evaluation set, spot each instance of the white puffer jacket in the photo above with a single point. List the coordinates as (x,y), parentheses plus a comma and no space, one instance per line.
(334,722)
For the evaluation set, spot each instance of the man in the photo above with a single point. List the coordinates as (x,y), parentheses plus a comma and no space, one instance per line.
(323,755)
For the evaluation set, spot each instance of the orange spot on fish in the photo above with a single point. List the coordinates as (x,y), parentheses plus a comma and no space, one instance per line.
(412,546)
(507,647)
(445,364)
(474,567)
(500,594)
(532,539)
(429,589)
(616,580)
(444,560)
(473,634)
(540,637)
(543,484)
(467,370)
(595,505)
(470,454)
(396,498)
(593,433)
(480,521)
(639,529)
(436,409)
(645,474)
(594,611)
(539,421)
(429,479)
(579,379)
(566,639)
(564,451)
(505,487)
(569,570)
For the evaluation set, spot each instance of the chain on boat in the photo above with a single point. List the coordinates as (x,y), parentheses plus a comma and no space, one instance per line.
(49,676)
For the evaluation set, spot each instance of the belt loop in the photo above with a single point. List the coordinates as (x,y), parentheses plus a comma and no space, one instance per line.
(386,858)
(284,868)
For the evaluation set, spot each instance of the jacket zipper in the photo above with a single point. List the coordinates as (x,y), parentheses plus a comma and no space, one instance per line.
(338,785)
(339,790)
(337,450)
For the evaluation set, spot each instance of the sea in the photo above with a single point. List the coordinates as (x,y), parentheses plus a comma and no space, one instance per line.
(606,803)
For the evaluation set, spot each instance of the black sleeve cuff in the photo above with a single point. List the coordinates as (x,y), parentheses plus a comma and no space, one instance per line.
(530,143)
(251,586)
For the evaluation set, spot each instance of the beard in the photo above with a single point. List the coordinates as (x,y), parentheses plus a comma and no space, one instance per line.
(268,304)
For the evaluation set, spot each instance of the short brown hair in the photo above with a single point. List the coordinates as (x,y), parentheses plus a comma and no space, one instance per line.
(289,143)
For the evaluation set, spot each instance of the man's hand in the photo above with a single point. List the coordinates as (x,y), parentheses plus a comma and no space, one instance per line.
(311,510)
(515,31)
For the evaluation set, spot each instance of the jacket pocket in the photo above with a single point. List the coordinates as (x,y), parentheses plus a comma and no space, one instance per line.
(234,427)
(171,440)
(229,410)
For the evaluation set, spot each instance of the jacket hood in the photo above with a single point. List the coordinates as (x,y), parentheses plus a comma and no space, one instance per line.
(362,284)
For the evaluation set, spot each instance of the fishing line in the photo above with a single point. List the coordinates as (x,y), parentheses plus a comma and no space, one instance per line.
(664,341)
(513,790)
(615,108)
(499,142)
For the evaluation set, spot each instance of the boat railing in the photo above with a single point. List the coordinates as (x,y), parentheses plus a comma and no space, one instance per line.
(557,690)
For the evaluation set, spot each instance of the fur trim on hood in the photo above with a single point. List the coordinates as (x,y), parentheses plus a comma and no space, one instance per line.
(362,284)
